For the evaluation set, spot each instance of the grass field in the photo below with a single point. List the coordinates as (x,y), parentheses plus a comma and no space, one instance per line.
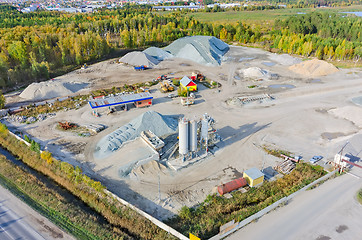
(266,16)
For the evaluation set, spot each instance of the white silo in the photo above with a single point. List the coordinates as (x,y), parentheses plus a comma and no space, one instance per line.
(183,135)
(204,127)
(193,136)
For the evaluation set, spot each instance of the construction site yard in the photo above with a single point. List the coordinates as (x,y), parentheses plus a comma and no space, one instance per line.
(260,102)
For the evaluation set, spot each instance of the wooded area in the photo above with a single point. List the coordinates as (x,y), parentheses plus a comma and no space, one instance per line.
(40,45)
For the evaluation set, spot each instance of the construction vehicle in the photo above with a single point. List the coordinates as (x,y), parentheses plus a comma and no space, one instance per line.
(140,68)
(166,87)
(162,78)
(198,77)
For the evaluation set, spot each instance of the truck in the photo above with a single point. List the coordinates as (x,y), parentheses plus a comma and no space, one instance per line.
(140,68)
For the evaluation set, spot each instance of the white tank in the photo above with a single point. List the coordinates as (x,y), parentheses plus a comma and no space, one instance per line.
(183,135)
(193,136)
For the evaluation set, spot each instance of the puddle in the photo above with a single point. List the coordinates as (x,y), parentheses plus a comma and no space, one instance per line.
(269,64)
(357,101)
(322,237)
(281,86)
(237,77)
(341,228)
(246,58)
(315,81)
(332,135)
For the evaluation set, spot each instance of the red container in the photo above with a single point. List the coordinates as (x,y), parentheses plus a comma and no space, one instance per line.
(231,186)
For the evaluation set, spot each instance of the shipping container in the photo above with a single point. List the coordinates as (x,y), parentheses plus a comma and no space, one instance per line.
(231,186)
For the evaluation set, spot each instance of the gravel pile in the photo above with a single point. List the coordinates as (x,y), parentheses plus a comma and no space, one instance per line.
(158,53)
(51,89)
(137,58)
(284,59)
(204,50)
(151,120)
(257,73)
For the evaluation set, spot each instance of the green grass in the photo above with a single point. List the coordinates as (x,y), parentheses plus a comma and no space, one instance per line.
(51,201)
(359,196)
(263,16)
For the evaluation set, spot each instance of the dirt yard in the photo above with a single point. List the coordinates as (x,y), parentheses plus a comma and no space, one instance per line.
(308,116)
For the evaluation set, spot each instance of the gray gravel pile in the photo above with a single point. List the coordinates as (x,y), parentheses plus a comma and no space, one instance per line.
(158,53)
(151,120)
(204,50)
(137,58)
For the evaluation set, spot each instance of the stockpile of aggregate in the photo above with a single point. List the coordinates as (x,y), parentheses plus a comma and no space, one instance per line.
(137,58)
(314,68)
(151,120)
(285,59)
(158,53)
(256,72)
(204,50)
(51,89)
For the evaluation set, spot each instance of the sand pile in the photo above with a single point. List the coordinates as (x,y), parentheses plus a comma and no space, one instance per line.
(204,50)
(285,59)
(137,58)
(51,89)
(314,68)
(150,169)
(256,72)
(151,120)
(158,53)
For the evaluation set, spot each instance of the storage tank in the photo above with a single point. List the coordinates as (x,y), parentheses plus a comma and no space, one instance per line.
(231,186)
(183,135)
(193,136)
(204,127)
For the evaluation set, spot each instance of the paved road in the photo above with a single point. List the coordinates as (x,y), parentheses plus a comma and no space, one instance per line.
(329,211)
(19,221)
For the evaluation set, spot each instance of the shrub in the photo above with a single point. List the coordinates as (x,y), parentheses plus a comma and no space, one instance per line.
(176,82)
(26,138)
(35,146)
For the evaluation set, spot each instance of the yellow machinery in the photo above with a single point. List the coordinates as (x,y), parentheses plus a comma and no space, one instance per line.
(165,87)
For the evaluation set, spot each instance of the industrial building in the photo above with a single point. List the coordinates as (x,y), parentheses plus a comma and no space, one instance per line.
(253,177)
(187,84)
(139,99)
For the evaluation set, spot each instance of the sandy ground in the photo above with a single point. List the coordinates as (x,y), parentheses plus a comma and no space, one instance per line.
(314,118)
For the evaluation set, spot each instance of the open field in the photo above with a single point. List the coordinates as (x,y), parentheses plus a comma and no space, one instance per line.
(265,16)
(308,115)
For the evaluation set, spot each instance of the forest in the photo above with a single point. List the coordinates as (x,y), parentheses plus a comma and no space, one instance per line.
(41,45)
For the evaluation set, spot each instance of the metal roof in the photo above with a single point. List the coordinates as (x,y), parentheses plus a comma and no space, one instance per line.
(185,81)
(254,173)
(120,99)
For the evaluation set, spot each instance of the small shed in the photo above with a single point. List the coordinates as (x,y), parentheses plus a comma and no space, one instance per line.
(231,186)
(187,84)
(253,177)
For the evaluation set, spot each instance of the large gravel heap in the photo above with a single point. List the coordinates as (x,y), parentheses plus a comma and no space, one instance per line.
(158,53)
(51,89)
(314,68)
(151,120)
(204,50)
(137,58)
